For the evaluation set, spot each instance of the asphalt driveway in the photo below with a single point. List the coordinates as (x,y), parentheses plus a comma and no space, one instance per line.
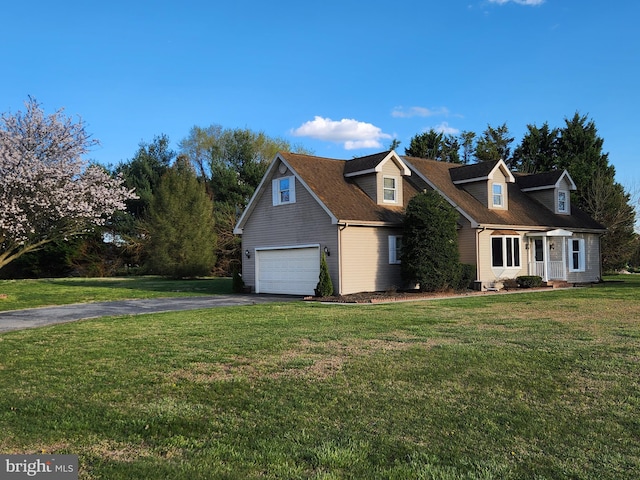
(38,317)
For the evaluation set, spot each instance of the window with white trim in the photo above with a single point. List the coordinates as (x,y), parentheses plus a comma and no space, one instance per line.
(577,255)
(284,190)
(390,189)
(395,249)
(498,200)
(505,252)
(563,203)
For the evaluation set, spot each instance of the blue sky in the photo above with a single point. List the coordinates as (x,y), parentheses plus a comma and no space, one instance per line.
(340,77)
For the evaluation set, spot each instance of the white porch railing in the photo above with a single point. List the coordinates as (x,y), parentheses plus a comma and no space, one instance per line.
(556,270)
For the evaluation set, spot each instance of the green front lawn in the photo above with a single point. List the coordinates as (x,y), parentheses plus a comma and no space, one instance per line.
(17,294)
(526,386)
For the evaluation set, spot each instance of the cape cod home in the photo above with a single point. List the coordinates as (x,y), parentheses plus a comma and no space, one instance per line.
(352,210)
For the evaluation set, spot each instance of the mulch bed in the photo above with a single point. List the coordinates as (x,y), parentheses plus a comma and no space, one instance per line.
(387,297)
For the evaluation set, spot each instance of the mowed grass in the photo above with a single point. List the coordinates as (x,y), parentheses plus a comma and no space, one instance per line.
(526,386)
(17,294)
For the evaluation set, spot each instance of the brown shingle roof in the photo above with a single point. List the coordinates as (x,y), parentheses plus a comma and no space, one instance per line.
(523,210)
(348,203)
(342,196)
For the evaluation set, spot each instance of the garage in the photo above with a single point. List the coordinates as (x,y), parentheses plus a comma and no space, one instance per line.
(293,271)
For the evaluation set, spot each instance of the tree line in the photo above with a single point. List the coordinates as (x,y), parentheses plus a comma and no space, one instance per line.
(576,147)
(182,205)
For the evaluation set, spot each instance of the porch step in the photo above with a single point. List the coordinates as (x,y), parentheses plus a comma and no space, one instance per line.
(558,284)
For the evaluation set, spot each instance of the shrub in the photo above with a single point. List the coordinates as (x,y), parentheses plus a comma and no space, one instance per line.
(529,281)
(237,282)
(430,243)
(325,285)
(466,276)
(510,283)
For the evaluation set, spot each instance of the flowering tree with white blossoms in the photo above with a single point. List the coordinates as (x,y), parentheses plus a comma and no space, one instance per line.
(47,191)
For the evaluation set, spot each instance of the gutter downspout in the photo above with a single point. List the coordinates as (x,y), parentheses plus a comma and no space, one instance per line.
(478,276)
(341,227)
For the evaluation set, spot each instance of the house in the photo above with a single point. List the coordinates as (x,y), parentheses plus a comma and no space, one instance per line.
(509,225)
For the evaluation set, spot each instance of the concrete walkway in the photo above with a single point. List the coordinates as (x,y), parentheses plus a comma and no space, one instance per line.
(38,317)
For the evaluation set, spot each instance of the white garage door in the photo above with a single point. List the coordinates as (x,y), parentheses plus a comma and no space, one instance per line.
(292,270)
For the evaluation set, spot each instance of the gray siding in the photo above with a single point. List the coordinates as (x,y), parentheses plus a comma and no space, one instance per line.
(592,271)
(479,190)
(545,197)
(368,184)
(302,223)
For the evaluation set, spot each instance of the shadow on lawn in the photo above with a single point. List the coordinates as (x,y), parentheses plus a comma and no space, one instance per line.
(204,286)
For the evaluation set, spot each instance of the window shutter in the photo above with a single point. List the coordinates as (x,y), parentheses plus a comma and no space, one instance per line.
(392,249)
(292,190)
(275,191)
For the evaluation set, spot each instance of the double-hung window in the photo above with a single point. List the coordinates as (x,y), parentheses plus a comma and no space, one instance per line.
(577,255)
(563,205)
(284,190)
(505,252)
(390,189)
(498,196)
(395,249)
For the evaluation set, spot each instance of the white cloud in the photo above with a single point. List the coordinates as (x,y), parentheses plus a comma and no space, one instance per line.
(400,112)
(519,2)
(352,133)
(446,129)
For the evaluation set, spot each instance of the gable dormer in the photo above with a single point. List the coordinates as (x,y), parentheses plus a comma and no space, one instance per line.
(486,182)
(552,189)
(379,176)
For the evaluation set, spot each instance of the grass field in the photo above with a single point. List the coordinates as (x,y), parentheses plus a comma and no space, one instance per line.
(18,294)
(525,386)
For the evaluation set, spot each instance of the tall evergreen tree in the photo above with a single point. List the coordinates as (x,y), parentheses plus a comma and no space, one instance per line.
(580,152)
(494,145)
(577,148)
(538,150)
(181,228)
(144,170)
(467,142)
(434,146)
(231,162)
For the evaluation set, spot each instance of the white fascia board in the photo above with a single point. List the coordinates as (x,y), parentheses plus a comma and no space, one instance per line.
(565,174)
(393,155)
(572,184)
(558,232)
(254,198)
(260,191)
(505,170)
(334,219)
(378,168)
(533,189)
(361,172)
(500,165)
(470,180)
(471,220)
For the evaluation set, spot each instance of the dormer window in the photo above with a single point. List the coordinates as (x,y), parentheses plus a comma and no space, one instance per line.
(284,191)
(390,189)
(563,202)
(498,196)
